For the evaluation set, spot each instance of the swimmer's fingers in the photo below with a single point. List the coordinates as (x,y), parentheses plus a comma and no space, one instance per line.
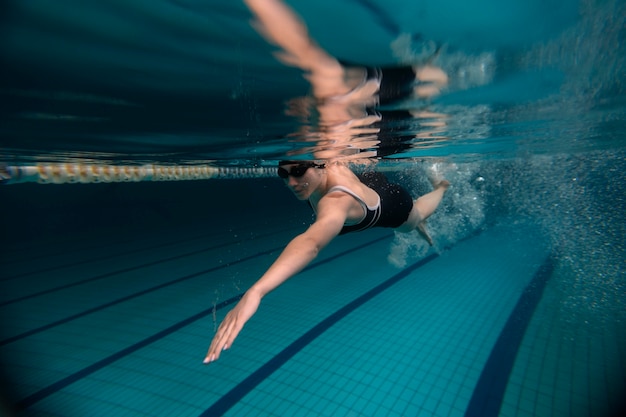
(231,326)
(224,337)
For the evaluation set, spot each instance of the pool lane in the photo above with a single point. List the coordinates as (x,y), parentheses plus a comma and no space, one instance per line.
(59,385)
(247,385)
(442,278)
(423,342)
(489,392)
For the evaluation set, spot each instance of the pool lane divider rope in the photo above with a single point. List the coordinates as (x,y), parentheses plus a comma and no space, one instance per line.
(84,173)
(83,373)
(91,173)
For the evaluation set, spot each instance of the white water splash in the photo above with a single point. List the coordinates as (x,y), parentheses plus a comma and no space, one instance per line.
(461,212)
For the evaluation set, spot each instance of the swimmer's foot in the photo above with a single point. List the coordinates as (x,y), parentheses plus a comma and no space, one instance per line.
(421,229)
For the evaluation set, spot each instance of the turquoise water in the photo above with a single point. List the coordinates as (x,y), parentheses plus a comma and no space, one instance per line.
(110,293)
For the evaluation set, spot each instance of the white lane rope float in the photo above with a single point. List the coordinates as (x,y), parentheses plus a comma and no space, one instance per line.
(68,173)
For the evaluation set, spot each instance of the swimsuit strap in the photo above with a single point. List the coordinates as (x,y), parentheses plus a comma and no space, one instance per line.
(367,210)
(346,190)
(371,214)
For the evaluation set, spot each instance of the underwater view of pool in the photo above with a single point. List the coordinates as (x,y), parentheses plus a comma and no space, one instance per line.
(139,145)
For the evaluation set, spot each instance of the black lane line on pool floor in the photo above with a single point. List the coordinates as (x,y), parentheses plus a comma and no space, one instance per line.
(129,297)
(127,269)
(491,386)
(229,399)
(83,243)
(125,252)
(70,379)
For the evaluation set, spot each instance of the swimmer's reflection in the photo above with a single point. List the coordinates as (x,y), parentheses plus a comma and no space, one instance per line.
(342,116)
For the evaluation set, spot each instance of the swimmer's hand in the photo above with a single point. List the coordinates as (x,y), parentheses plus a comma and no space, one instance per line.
(232,325)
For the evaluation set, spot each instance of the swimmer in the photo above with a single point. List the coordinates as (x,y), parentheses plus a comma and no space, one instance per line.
(343,202)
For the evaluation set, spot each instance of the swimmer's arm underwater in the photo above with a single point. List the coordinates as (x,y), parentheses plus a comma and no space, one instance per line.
(302,249)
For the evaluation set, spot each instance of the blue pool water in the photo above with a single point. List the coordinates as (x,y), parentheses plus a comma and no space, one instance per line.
(111,292)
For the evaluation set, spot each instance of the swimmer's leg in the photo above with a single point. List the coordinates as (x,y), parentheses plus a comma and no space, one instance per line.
(421,229)
(423,208)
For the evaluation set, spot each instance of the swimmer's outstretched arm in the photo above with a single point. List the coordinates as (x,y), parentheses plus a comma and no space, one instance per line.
(295,257)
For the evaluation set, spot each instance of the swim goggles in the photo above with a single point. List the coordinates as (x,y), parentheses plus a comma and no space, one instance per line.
(298,170)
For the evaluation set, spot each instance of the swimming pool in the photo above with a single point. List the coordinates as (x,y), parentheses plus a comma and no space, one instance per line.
(508,319)
(110,292)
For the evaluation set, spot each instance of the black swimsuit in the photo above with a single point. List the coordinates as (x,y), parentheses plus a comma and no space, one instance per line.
(392,210)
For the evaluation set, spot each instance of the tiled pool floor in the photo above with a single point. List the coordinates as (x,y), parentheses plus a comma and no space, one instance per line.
(120,328)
